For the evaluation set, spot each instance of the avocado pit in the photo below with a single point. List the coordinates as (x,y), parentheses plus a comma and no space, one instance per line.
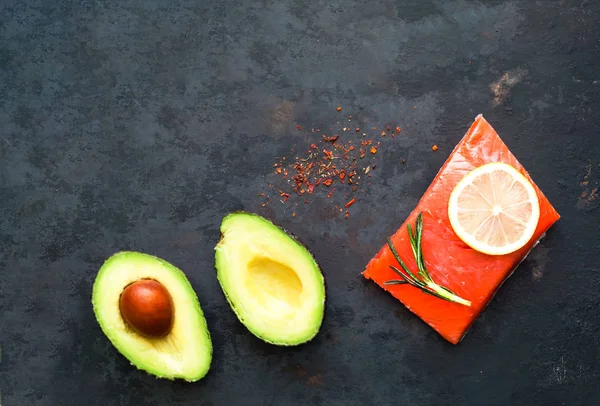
(147,307)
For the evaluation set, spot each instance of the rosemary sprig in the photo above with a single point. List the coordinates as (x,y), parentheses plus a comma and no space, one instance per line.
(424,281)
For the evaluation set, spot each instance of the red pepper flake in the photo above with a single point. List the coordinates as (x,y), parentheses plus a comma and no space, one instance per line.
(398,129)
(327,182)
(328,154)
(373,150)
(293,214)
(333,138)
(329,195)
(357,129)
(339,108)
(313,146)
(311,187)
(434,148)
(278,170)
(347,214)
(350,203)
(298,127)
(262,193)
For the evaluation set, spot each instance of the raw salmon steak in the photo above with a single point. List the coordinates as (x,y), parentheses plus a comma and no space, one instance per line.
(470,274)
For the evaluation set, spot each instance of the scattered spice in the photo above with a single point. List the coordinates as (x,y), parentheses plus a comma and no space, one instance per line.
(339,108)
(336,157)
(350,203)
(347,214)
(434,148)
(403,160)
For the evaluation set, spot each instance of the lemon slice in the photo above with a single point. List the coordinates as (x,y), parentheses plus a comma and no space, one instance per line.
(494,209)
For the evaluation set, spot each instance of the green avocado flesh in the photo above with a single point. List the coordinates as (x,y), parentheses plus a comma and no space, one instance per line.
(186,352)
(272,282)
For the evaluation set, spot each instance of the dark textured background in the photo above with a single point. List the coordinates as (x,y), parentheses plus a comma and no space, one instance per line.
(138,125)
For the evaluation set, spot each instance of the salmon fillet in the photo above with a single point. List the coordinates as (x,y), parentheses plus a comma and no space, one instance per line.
(471,275)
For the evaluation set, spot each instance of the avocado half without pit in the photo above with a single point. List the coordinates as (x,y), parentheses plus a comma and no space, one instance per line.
(149,311)
(271,281)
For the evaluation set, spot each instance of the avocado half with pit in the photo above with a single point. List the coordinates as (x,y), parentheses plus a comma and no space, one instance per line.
(151,314)
(272,282)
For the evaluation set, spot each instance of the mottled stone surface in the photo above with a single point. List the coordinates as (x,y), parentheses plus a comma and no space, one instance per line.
(139,125)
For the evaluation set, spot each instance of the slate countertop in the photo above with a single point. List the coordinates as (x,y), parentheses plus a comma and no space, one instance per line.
(139,125)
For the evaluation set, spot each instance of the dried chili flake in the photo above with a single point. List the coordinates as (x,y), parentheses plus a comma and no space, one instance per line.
(347,214)
(329,195)
(293,214)
(311,188)
(333,138)
(398,129)
(313,146)
(327,182)
(350,203)
(339,108)
(328,154)
(403,160)
(434,148)
(357,129)
(373,150)
(298,127)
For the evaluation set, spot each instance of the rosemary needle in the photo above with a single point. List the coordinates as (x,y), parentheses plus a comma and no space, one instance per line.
(424,281)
